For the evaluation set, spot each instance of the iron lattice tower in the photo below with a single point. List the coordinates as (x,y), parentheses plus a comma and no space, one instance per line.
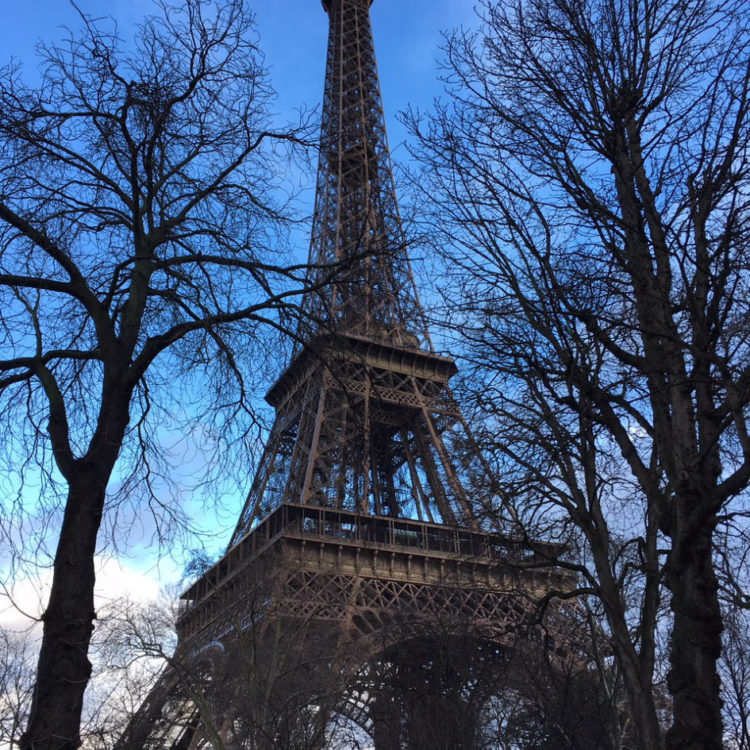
(359,512)
(361,408)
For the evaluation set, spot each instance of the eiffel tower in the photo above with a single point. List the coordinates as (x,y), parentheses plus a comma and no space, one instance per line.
(359,515)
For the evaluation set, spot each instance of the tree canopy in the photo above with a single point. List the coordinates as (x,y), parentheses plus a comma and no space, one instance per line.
(588,174)
(140,271)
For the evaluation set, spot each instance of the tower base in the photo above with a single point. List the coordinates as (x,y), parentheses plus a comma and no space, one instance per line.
(308,618)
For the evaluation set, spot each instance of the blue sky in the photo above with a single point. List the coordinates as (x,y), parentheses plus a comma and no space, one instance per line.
(293,36)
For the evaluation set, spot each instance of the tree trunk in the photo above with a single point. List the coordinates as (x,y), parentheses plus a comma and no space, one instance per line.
(637,669)
(693,679)
(64,669)
(648,733)
(639,690)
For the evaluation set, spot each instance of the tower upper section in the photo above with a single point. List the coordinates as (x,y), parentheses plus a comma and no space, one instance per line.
(364,418)
(327,4)
(357,236)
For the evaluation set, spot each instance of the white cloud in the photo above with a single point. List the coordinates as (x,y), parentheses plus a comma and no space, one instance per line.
(24,602)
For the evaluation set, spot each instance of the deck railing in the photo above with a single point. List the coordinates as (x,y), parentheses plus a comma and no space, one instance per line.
(374,532)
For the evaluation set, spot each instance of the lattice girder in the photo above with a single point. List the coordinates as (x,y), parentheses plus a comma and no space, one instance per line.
(331,564)
(356,219)
(360,426)
(361,508)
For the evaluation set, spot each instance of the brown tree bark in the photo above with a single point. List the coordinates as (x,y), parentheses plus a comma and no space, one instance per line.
(693,678)
(64,669)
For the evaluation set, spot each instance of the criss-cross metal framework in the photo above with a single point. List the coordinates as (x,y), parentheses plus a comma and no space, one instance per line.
(363,407)
(356,221)
(359,512)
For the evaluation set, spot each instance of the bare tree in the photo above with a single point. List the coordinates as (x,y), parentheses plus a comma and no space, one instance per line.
(269,682)
(733,551)
(735,674)
(590,176)
(16,682)
(121,674)
(137,270)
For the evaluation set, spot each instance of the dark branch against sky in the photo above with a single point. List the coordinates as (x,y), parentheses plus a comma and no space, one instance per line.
(293,36)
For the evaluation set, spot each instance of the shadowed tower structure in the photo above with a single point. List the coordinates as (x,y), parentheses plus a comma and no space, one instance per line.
(359,514)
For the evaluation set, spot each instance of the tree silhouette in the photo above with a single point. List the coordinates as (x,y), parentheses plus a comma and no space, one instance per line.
(137,271)
(589,176)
